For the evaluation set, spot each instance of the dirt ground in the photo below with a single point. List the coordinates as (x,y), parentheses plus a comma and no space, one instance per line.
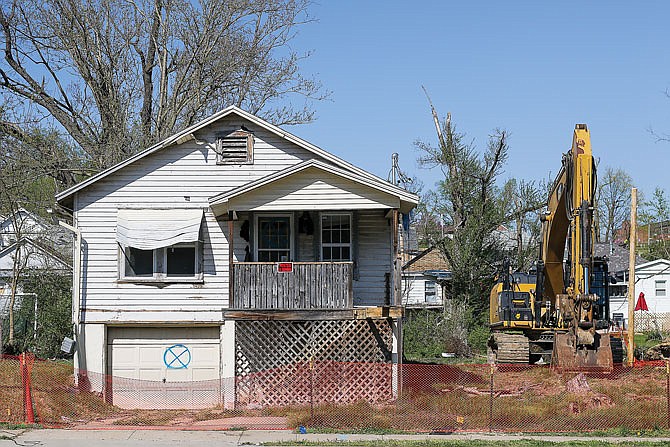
(433,398)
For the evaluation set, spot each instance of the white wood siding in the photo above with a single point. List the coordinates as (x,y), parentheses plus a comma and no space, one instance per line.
(413,289)
(374,258)
(182,176)
(313,189)
(646,282)
(185,176)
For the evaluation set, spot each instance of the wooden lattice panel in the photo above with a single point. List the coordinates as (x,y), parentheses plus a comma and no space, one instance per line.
(297,362)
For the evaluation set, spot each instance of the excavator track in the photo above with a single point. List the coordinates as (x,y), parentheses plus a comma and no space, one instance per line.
(618,350)
(510,348)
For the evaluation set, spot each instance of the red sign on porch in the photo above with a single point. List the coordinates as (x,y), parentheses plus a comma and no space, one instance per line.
(284,267)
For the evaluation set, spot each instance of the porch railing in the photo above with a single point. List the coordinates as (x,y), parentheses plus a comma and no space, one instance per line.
(309,285)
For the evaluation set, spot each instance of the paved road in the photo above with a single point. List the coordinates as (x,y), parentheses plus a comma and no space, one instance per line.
(173,438)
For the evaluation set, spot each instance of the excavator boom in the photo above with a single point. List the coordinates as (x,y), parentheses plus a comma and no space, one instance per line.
(570,218)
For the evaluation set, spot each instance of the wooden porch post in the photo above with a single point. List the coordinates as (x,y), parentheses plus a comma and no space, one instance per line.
(395,300)
(231,246)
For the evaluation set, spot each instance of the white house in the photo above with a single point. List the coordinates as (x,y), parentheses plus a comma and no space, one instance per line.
(39,248)
(22,223)
(424,279)
(653,280)
(227,250)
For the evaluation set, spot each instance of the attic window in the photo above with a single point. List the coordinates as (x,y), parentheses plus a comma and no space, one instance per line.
(236,147)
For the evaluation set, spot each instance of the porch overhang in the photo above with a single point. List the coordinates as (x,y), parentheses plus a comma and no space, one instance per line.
(313,185)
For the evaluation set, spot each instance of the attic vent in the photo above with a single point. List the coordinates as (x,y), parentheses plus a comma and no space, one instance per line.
(236,147)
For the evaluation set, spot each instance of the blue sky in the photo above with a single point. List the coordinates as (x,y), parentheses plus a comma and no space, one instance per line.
(533,68)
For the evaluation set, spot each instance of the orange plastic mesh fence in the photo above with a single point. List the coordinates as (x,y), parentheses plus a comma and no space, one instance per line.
(11,390)
(350,396)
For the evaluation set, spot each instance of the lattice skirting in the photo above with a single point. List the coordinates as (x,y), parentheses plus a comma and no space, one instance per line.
(650,322)
(299,362)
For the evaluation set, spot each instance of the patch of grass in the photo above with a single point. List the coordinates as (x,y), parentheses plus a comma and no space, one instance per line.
(363,431)
(655,432)
(471,443)
(150,417)
(17,426)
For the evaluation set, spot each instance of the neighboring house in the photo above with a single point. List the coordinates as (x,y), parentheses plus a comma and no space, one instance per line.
(618,266)
(41,247)
(424,279)
(646,233)
(653,279)
(230,250)
(28,225)
(36,258)
(31,226)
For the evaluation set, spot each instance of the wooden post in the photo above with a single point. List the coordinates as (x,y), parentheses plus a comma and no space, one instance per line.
(231,246)
(631,277)
(394,298)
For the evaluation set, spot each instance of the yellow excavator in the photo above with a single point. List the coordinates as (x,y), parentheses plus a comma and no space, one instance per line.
(559,314)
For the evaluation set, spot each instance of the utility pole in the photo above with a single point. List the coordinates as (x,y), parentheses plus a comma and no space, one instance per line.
(632,241)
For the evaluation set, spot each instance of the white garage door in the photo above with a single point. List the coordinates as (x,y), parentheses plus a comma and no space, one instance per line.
(168,367)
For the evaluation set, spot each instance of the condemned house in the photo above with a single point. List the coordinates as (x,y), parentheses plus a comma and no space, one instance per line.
(212,266)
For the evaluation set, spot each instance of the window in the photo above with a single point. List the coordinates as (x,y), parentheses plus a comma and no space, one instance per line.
(431,292)
(274,238)
(336,237)
(139,262)
(179,261)
(159,245)
(660,287)
(236,147)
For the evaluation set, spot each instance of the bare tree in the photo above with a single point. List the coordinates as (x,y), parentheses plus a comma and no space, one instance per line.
(654,216)
(612,202)
(117,75)
(28,180)
(12,184)
(522,201)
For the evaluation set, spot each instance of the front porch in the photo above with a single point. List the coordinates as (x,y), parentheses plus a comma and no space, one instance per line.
(312,238)
(293,285)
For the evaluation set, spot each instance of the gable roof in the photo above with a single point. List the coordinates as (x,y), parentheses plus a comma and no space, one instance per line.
(428,260)
(6,221)
(406,198)
(43,249)
(653,263)
(187,134)
(618,256)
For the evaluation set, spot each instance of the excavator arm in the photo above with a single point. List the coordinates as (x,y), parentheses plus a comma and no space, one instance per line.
(568,230)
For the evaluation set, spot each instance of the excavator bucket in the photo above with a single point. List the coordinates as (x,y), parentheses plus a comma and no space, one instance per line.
(595,358)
